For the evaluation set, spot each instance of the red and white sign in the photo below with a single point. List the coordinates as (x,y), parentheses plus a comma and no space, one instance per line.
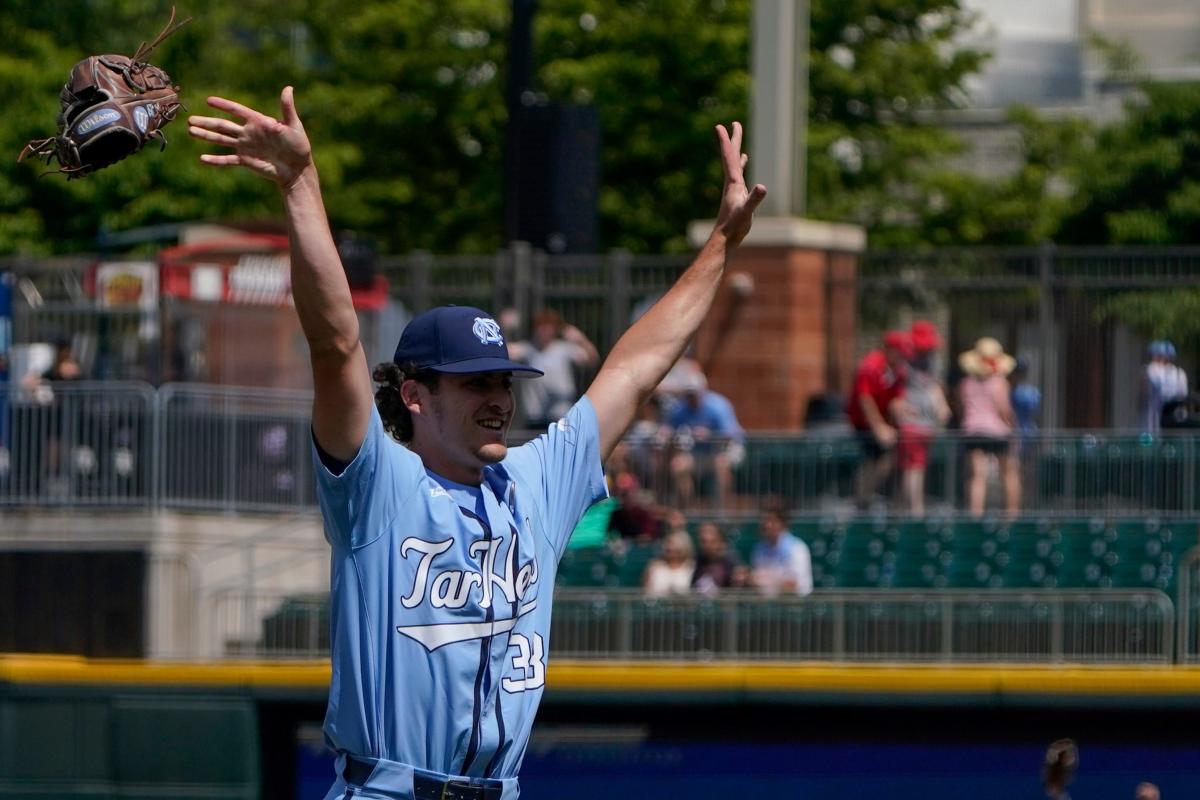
(251,269)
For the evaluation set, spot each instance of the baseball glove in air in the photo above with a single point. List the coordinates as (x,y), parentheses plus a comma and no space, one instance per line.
(110,107)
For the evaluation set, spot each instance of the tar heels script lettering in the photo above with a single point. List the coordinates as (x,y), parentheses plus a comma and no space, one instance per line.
(454,588)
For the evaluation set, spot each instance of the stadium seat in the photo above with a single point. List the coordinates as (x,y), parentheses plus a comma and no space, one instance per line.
(583,567)
(921,552)
(627,569)
(981,555)
(867,557)
(1034,553)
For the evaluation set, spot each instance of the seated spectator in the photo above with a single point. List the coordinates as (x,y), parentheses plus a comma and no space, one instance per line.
(671,573)
(717,567)
(636,517)
(557,349)
(781,562)
(707,440)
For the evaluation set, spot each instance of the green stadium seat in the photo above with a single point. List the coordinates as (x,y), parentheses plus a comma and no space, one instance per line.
(626,570)
(583,567)
(1034,551)
(924,554)
(981,555)
(824,537)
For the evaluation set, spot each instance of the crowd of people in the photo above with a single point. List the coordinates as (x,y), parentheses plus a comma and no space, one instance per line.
(899,404)
(780,562)
(707,563)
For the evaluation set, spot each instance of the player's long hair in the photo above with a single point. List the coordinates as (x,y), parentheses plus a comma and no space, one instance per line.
(397,419)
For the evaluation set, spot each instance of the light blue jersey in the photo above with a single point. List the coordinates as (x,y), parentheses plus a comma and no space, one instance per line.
(441,597)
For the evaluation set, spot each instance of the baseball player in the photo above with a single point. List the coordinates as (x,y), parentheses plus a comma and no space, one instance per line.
(444,550)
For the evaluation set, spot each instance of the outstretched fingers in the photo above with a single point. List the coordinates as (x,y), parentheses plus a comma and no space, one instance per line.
(215,124)
(731,152)
(216,130)
(757,194)
(235,160)
(287,104)
(220,161)
(230,107)
(211,136)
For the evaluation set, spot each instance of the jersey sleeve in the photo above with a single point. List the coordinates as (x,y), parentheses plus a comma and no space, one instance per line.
(562,467)
(359,503)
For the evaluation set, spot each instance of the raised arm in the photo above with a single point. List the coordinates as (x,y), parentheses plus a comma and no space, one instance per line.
(280,152)
(642,356)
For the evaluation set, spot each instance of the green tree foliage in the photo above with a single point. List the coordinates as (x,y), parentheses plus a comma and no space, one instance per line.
(877,71)
(1024,208)
(404,102)
(1139,181)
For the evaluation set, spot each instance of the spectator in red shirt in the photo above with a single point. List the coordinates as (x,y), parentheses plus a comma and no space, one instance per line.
(878,381)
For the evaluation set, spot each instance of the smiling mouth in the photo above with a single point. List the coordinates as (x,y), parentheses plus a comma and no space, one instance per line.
(493,425)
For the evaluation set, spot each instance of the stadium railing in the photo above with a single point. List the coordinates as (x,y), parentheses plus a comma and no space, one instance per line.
(1110,627)
(228,449)
(1188,594)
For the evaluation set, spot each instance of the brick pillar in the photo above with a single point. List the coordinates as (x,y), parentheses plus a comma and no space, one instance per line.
(783,324)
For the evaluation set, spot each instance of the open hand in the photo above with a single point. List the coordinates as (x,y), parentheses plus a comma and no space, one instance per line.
(278,151)
(737,202)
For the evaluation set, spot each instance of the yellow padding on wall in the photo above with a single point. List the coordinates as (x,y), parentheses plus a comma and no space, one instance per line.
(653,677)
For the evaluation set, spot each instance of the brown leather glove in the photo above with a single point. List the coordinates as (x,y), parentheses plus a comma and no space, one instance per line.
(111,106)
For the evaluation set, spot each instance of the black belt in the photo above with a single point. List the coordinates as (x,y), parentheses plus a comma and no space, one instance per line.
(358,772)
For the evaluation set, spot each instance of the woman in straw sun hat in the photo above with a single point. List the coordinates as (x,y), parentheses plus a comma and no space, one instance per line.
(988,422)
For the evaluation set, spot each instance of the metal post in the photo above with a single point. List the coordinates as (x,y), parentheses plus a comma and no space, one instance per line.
(620,292)
(420,265)
(779,107)
(624,626)
(947,628)
(230,420)
(731,615)
(1048,369)
(1057,630)
(523,283)
(839,629)
(1183,607)
(1189,472)
(248,625)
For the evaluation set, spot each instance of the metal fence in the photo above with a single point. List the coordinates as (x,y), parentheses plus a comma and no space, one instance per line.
(1112,627)
(77,443)
(233,449)
(1089,472)
(225,449)
(601,294)
(1081,316)
(1188,595)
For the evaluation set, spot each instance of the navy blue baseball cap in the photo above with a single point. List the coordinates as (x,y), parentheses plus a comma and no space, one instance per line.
(458,339)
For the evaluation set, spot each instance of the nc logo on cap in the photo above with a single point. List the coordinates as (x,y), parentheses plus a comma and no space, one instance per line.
(487,331)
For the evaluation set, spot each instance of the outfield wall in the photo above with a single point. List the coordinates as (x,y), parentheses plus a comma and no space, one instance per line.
(74,728)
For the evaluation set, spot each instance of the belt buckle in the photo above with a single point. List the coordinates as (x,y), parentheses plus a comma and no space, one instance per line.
(450,790)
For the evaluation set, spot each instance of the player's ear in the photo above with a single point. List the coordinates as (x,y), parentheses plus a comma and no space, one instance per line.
(413,394)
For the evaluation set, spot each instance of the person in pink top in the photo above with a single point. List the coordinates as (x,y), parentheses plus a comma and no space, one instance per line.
(988,423)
